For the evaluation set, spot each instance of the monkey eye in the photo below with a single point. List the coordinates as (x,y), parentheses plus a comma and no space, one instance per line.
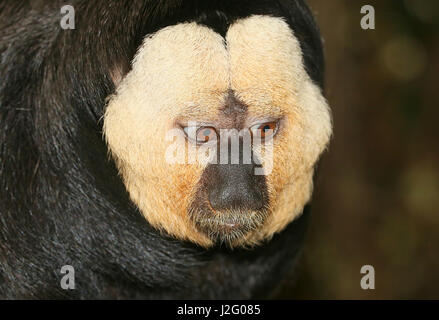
(265,130)
(202,134)
(206,134)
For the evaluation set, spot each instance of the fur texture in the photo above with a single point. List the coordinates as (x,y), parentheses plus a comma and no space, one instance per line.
(64,202)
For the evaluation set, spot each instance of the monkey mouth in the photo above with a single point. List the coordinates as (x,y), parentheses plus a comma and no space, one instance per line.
(228,227)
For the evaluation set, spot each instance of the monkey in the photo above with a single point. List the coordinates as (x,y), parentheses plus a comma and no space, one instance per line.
(88,117)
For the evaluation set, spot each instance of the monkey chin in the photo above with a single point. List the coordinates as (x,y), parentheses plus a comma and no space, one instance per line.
(229,228)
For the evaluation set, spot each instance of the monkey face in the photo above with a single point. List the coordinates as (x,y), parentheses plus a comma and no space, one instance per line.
(190,93)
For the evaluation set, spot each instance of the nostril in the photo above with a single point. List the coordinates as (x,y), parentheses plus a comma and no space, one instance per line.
(218,199)
(255,200)
(236,198)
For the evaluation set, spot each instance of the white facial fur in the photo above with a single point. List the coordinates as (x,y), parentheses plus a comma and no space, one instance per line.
(185,72)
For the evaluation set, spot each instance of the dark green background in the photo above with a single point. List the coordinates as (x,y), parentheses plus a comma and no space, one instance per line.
(377,194)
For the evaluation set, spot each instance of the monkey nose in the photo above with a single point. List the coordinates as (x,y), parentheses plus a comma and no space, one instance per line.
(237,188)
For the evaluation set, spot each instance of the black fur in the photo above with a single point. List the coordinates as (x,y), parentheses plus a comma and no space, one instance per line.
(61,199)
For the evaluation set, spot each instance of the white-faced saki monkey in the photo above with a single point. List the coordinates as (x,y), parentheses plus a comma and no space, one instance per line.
(159,148)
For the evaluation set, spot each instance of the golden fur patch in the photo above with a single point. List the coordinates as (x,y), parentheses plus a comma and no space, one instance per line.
(184,72)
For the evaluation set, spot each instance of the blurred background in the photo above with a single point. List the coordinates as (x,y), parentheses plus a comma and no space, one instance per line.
(376,200)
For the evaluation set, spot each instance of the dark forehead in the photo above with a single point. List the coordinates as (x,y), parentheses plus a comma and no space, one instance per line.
(220,14)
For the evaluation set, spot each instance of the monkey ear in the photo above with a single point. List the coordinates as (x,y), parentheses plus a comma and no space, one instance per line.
(118,68)
(117,74)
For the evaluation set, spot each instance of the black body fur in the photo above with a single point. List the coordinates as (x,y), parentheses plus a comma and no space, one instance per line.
(61,199)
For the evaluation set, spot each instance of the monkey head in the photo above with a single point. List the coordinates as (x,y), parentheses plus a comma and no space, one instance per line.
(190,96)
